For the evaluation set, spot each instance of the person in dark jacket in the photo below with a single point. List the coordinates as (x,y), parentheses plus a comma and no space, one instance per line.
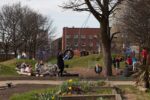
(114,62)
(60,63)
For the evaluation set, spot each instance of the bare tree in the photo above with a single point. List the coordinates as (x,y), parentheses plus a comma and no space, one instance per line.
(11,16)
(101,10)
(5,35)
(135,22)
(23,29)
(36,30)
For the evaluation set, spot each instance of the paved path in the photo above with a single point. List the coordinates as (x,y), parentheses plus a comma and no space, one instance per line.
(122,82)
(15,82)
(51,82)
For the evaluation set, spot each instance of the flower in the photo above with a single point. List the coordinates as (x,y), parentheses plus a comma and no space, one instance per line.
(70,80)
(70,88)
(53,97)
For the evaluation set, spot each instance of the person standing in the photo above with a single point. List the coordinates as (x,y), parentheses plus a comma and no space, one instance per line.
(60,63)
(118,62)
(114,62)
(129,61)
(134,62)
(144,56)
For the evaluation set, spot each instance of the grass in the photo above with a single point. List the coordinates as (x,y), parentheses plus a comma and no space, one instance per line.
(32,94)
(7,68)
(138,95)
(104,91)
(84,61)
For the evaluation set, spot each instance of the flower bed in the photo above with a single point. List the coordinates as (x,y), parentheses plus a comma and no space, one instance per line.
(75,90)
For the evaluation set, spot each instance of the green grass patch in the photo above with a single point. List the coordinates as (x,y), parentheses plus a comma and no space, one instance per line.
(7,70)
(53,60)
(8,67)
(32,94)
(85,61)
(104,91)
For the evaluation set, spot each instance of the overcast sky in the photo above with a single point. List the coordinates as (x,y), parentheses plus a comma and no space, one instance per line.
(61,18)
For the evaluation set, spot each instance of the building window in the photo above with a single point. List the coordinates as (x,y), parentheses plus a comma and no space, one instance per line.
(76,44)
(76,40)
(83,36)
(76,36)
(68,36)
(90,37)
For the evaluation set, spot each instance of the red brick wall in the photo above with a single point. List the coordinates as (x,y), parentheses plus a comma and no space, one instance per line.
(87,32)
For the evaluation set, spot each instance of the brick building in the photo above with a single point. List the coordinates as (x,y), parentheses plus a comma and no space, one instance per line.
(81,39)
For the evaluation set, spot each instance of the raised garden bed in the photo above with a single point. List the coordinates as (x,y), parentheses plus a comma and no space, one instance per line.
(97,93)
(89,97)
(74,90)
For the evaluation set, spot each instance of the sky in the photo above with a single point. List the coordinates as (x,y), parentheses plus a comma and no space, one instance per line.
(62,18)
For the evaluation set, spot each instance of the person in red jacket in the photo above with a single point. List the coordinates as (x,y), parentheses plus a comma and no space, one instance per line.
(129,60)
(144,54)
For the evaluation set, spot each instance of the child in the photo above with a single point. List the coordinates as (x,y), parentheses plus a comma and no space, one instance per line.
(98,69)
(134,61)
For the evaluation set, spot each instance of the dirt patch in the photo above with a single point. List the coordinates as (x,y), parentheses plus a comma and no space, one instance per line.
(129,97)
(90,72)
(5,94)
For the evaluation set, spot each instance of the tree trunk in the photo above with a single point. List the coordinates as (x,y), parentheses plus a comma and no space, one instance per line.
(107,59)
(106,46)
(147,85)
(6,55)
(35,43)
(15,51)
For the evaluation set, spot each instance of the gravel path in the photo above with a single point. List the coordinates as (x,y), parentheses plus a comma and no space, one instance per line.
(51,82)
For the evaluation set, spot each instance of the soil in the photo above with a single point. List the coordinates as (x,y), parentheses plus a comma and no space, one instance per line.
(5,94)
(90,72)
(129,97)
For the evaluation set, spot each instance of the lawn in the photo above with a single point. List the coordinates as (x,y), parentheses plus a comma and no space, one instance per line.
(32,94)
(7,68)
(85,61)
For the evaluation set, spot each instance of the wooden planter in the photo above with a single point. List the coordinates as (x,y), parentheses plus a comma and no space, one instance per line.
(114,96)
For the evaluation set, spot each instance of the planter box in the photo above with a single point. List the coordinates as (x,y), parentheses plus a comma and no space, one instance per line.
(89,97)
(113,96)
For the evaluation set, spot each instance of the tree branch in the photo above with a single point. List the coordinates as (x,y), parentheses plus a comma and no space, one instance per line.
(97,15)
(114,6)
(100,4)
(113,34)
